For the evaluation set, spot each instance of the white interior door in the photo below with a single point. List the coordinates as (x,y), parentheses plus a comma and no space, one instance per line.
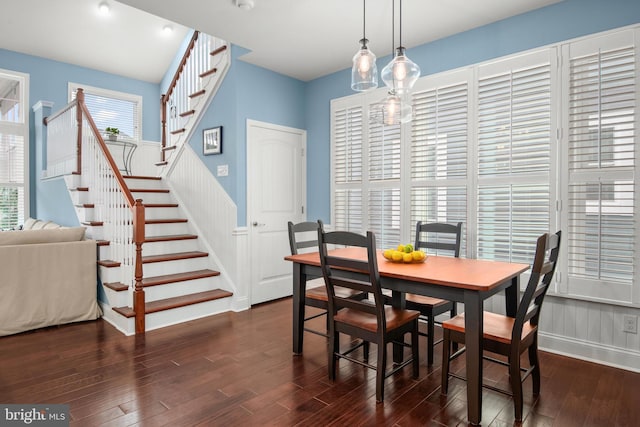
(276,194)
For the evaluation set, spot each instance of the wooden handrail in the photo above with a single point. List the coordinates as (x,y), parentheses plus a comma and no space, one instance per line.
(165,97)
(69,106)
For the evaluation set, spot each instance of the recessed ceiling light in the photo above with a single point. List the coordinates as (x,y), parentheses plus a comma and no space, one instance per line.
(104,8)
(167,29)
(244,4)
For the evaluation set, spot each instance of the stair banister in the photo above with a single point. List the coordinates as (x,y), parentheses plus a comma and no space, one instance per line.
(135,205)
(165,98)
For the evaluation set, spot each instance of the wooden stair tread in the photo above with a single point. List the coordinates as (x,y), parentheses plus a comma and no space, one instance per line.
(198,93)
(177,131)
(161,163)
(154,178)
(79,189)
(86,205)
(149,190)
(160,205)
(116,286)
(165,221)
(170,238)
(209,72)
(175,302)
(173,257)
(108,263)
(169,148)
(188,113)
(178,277)
(93,223)
(218,50)
(103,242)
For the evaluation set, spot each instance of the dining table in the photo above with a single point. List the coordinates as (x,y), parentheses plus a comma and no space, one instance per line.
(469,281)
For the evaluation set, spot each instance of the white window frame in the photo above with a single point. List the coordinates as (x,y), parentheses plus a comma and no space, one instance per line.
(21,128)
(137,99)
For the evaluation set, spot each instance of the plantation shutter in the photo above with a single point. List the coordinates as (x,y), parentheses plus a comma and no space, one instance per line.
(439,152)
(347,158)
(601,154)
(514,153)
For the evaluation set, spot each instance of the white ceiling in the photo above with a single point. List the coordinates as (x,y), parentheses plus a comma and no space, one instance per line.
(304,39)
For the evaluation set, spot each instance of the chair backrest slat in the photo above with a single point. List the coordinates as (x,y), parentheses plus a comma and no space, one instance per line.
(544,265)
(451,233)
(356,274)
(308,231)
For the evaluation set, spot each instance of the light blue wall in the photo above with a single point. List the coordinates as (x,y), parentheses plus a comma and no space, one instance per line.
(562,21)
(49,82)
(247,92)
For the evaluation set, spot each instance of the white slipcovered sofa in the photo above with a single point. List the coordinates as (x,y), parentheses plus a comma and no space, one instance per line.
(48,277)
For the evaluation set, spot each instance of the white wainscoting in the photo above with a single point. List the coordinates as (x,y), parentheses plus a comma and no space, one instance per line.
(145,157)
(585,330)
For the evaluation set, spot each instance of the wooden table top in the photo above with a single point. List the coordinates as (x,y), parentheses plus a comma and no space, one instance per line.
(474,274)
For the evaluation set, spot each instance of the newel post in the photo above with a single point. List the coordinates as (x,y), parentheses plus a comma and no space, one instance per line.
(138,293)
(79,103)
(163,120)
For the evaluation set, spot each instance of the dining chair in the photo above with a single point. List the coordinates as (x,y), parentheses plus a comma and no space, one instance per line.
(370,320)
(430,236)
(510,336)
(303,237)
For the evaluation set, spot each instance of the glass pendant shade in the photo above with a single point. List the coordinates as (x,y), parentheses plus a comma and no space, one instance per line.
(364,74)
(401,73)
(391,111)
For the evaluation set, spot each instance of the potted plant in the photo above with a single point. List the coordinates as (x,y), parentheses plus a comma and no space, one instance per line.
(112,133)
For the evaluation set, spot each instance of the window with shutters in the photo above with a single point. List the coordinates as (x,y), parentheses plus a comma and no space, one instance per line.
(512,148)
(601,77)
(112,109)
(14,140)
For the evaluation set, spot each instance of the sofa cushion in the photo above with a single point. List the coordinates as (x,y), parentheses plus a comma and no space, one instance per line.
(28,224)
(26,237)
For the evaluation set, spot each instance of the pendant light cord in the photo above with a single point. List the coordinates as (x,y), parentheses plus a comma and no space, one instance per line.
(400,36)
(364,19)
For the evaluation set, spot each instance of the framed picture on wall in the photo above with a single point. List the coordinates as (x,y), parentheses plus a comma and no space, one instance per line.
(212,141)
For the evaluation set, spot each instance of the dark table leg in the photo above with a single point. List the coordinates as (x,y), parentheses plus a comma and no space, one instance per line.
(398,300)
(473,307)
(299,285)
(512,294)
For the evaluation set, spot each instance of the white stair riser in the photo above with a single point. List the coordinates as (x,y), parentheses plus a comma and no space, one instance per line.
(110,274)
(170,247)
(123,324)
(73,181)
(94,232)
(166,229)
(153,197)
(184,314)
(117,298)
(161,213)
(173,267)
(144,183)
(85,214)
(170,290)
(79,197)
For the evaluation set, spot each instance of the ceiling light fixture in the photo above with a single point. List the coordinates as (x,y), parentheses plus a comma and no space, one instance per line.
(364,74)
(244,4)
(401,73)
(104,8)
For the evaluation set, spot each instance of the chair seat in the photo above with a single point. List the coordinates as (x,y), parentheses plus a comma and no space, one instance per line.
(497,327)
(424,300)
(395,318)
(320,293)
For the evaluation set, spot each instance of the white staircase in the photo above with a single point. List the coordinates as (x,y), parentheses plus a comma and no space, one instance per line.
(180,279)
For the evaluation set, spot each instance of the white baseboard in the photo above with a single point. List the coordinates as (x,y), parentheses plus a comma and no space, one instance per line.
(591,352)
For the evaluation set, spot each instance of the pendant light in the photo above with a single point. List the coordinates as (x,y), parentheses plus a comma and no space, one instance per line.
(364,73)
(401,73)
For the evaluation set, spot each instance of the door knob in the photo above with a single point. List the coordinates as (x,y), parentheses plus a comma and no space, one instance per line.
(257,224)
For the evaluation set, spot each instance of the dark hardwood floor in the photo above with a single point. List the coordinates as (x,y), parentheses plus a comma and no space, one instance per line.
(238,369)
